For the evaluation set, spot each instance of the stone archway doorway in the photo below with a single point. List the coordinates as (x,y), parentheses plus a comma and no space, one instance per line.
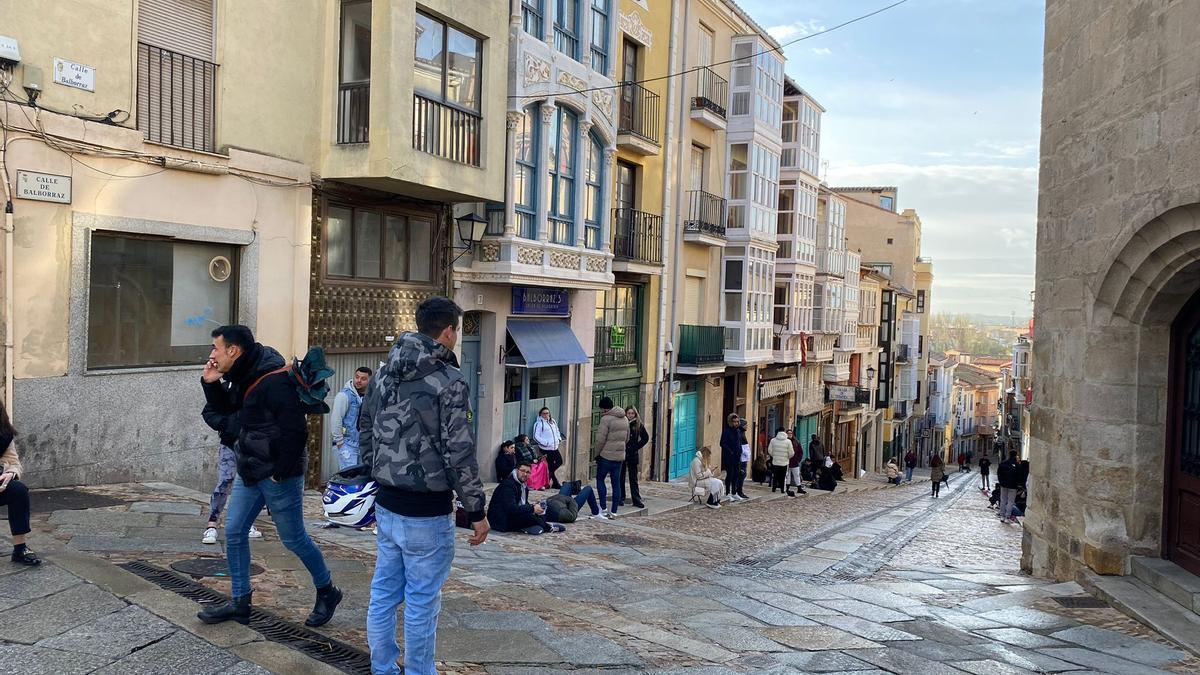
(1181,524)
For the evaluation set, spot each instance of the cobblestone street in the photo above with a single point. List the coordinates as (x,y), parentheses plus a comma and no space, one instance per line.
(870,579)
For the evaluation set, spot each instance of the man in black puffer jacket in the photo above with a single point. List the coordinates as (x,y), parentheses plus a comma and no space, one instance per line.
(271,437)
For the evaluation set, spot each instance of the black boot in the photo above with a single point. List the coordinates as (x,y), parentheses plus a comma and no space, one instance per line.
(22,555)
(237,609)
(327,601)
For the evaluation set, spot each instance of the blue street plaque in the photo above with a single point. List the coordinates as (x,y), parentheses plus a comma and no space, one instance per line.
(540,301)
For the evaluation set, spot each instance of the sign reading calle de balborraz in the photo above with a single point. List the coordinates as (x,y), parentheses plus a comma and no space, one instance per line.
(46,187)
(841,392)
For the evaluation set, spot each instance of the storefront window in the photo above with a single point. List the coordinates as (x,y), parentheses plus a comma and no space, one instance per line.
(154,302)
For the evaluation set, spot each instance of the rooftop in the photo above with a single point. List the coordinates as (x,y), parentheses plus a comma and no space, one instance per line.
(976,377)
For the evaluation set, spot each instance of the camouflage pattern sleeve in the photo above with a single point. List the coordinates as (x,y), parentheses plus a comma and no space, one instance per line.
(458,447)
(366,425)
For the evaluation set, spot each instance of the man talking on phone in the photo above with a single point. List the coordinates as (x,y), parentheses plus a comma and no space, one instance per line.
(416,436)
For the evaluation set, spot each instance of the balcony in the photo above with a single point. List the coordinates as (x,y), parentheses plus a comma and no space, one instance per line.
(705,223)
(902,353)
(637,241)
(445,131)
(177,98)
(354,107)
(638,124)
(708,105)
(820,347)
(866,336)
(831,262)
(900,410)
(838,370)
(701,350)
(616,346)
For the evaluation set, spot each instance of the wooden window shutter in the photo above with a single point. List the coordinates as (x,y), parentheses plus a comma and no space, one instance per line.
(692,297)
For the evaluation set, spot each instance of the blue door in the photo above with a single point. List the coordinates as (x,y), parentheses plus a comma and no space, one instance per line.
(683,442)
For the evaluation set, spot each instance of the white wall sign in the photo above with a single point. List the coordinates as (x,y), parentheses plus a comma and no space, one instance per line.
(841,392)
(74,75)
(44,187)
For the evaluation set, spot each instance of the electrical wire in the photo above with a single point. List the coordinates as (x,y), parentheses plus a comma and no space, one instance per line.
(694,69)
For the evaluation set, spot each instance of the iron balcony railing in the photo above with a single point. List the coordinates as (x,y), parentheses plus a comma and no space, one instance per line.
(637,236)
(616,346)
(712,91)
(900,409)
(354,112)
(177,98)
(706,213)
(445,131)
(639,112)
(701,345)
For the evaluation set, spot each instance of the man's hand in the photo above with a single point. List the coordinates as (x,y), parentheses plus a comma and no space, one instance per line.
(5,479)
(481,528)
(210,374)
(538,509)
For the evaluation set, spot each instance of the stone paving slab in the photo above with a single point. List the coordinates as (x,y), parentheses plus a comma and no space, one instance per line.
(1105,663)
(903,663)
(1020,638)
(245,668)
(875,596)
(29,660)
(499,646)
(931,630)
(587,649)
(104,518)
(791,604)
(804,564)
(908,588)
(502,620)
(1121,645)
(867,629)
(718,618)
(864,610)
(188,508)
(964,621)
(824,553)
(1005,600)
(1025,617)
(738,639)
(57,613)
(823,662)
(817,638)
(1024,658)
(181,652)
(935,651)
(990,667)
(36,582)
(112,635)
(136,544)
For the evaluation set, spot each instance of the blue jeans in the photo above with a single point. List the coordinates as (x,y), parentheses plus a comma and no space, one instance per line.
(226,470)
(412,561)
(585,496)
(609,468)
(908,473)
(347,455)
(284,500)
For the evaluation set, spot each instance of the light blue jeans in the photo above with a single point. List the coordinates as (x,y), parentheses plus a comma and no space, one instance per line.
(347,455)
(285,500)
(412,561)
(908,473)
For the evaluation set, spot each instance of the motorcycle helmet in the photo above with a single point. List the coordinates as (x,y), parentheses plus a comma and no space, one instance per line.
(349,499)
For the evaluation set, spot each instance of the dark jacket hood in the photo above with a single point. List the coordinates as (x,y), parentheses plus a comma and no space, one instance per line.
(414,357)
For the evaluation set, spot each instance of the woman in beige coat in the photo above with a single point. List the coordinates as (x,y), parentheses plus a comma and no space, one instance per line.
(611,437)
(13,493)
(780,450)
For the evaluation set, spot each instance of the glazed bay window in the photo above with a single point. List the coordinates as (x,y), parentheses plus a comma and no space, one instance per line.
(525,172)
(154,302)
(600,22)
(370,245)
(447,67)
(566,28)
(593,210)
(562,176)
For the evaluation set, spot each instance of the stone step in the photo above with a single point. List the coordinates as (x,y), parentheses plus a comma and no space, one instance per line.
(1142,602)
(1169,579)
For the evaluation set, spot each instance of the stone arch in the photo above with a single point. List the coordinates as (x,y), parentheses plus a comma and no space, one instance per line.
(1146,264)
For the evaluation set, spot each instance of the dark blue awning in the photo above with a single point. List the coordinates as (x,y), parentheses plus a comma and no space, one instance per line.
(546,343)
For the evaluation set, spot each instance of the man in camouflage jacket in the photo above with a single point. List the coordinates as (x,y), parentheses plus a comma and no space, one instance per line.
(415,433)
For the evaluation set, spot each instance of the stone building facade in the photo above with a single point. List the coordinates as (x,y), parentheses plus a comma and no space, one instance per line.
(1115,462)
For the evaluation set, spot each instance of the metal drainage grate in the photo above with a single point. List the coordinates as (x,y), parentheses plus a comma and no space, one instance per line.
(340,655)
(1080,602)
(209,567)
(748,562)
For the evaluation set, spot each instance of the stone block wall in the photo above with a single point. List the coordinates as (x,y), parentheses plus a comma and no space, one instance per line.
(1120,171)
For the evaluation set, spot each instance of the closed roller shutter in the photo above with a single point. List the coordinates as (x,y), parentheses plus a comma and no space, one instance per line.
(184,26)
(692,294)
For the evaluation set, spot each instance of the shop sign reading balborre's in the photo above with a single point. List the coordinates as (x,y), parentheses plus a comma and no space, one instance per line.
(540,301)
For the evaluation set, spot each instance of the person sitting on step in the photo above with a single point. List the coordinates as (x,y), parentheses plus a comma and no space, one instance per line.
(510,509)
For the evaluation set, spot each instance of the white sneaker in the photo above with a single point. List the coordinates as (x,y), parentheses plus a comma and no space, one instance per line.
(210,536)
(607,515)
(712,506)
(254,533)
(375,530)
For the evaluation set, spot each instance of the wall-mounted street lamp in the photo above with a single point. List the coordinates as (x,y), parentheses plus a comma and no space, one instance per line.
(471,228)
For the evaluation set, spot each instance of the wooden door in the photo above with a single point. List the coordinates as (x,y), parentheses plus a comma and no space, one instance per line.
(1182,495)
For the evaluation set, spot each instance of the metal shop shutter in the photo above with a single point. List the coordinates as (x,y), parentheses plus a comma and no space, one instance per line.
(184,26)
(692,297)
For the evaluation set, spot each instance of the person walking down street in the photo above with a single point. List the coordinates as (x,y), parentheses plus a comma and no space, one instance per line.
(962,461)
(937,471)
(14,494)
(638,438)
(794,479)
(612,435)
(547,437)
(344,417)
(780,450)
(1009,477)
(910,463)
(985,473)
(731,455)
(271,459)
(816,451)
(702,476)
(416,435)
(227,428)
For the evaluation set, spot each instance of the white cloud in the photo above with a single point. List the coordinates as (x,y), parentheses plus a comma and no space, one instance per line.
(796,29)
(822,51)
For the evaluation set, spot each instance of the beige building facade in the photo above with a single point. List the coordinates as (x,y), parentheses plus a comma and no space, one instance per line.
(1115,461)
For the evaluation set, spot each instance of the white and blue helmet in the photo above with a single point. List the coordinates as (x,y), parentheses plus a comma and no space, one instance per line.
(350,503)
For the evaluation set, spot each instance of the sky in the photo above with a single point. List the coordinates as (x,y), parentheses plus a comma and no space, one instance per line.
(940,98)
